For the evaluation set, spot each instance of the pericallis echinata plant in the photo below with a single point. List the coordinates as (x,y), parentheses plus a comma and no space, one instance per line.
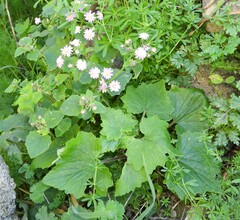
(86,125)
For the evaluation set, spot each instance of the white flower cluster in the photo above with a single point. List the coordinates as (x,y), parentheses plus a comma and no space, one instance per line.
(92,16)
(141,52)
(106,74)
(94,72)
(7,193)
(89,15)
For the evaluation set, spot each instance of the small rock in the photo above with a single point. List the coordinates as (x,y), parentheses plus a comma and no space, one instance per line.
(7,193)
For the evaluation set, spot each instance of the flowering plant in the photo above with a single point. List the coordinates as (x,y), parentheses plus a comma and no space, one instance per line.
(78,41)
(96,118)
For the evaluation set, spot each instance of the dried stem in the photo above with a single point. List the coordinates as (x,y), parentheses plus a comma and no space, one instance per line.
(74,200)
(10,21)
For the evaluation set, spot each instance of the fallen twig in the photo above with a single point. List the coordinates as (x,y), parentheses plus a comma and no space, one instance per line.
(10,21)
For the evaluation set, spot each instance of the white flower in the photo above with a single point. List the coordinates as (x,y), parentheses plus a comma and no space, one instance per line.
(132,63)
(60,61)
(94,72)
(70,65)
(144,36)
(114,86)
(75,42)
(107,73)
(37,21)
(70,16)
(154,50)
(128,41)
(83,111)
(140,53)
(99,15)
(81,65)
(89,16)
(146,47)
(77,30)
(89,34)
(103,86)
(67,51)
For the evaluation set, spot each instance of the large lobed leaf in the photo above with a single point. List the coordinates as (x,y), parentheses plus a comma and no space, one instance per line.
(151,99)
(112,210)
(188,105)
(145,154)
(115,123)
(154,146)
(78,163)
(130,179)
(200,167)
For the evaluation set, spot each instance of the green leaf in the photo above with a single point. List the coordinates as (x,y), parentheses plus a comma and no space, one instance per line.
(13,121)
(37,192)
(130,179)
(25,41)
(235,102)
(43,214)
(197,169)
(46,159)
(216,78)
(37,144)
(238,85)
(230,79)
(235,119)
(100,108)
(115,123)
(71,213)
(13,86)
(52,53)
(63,127)
(19,51)
(113,209)
(77,164)
(154,146)
(123,79)
(108,145)
(34,55)
(137,69)
(103,180)
(71,106)
(60,78)
(21,27)
(28,99)
(151,99)
(53,118)
(188,104)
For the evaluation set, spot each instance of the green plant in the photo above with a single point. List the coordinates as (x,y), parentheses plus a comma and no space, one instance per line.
(223,205)
(94,122)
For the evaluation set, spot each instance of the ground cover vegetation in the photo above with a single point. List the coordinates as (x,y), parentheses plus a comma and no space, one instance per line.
(99,115)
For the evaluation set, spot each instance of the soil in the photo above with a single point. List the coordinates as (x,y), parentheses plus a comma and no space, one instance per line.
(202,81)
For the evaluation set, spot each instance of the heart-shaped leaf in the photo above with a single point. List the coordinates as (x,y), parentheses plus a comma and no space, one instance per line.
(151,99)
